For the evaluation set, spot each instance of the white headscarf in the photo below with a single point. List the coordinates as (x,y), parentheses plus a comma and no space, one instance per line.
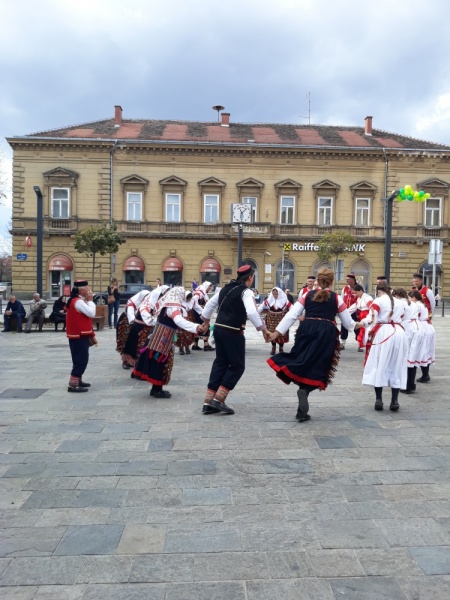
(173,299)
(203,289)
(155,295)
(189,304)
(280,301)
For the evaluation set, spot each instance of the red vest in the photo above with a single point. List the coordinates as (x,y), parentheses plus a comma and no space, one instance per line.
(423,292)
(348,296)
(77,323)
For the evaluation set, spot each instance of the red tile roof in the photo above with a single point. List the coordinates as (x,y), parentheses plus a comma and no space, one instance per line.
(262,134)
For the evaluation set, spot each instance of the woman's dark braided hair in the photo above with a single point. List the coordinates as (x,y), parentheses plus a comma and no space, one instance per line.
(401,293)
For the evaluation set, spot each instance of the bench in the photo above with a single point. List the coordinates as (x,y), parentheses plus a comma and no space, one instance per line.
(98,322)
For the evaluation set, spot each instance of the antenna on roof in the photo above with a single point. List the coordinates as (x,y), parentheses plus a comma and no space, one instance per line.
(308,96)
(218,108)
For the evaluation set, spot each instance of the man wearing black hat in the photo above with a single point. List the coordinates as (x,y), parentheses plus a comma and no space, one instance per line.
(80,310)
(235,304)
(349,298)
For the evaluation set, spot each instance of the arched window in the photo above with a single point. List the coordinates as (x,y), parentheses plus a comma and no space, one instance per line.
(362,271)
(427,273)
(285,275)
(321,264)
(251,262)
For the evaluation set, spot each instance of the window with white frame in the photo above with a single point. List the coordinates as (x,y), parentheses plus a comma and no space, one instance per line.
(60,203)
(362,211)
(211,208)
(173,208)
(433,212)
(134,206)
(325,211)
(287,207)
(254,202)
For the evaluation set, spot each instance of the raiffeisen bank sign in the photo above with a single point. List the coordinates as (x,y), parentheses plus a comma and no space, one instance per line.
(312,247)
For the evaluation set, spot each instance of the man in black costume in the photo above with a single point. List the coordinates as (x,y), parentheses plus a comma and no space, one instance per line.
(235,304)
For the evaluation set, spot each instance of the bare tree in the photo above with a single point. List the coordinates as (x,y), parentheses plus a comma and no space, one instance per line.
(4,179)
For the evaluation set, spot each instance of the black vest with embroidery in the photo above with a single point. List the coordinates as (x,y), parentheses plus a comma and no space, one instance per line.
(232,311)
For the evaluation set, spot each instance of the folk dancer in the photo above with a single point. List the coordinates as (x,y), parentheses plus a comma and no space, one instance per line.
(235,304)
(125,322)
(309,285)
(155,362)
(275,307)
(430,302)
(201,295)
(415,335)
(313,360)
(360,309)
(427,356)
(349,298)
(142,326)
(80,310)
(185,338)
(387,347)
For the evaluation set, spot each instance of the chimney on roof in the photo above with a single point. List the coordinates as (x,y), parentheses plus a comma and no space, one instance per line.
(117,116)
(225,119)
(368,126)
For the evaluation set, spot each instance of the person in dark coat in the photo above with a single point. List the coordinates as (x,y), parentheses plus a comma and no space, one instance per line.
(14,310)
(59,311)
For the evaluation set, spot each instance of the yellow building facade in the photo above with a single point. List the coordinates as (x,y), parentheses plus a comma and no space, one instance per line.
(170,187)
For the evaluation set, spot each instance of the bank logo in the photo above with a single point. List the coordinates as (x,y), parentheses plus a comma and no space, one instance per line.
(287,247)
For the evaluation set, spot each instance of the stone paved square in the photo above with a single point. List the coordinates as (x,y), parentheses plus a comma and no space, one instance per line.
(116,496)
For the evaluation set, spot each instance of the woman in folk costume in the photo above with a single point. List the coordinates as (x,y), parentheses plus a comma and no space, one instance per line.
(361,310)
(427,357)
(141,327)
(387,347)
(314,358)
(275,306)
(156,360)
(415,335)
(201,297)
(185,338)
(125,321)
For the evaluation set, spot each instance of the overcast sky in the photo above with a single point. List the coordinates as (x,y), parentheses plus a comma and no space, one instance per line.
(64,62)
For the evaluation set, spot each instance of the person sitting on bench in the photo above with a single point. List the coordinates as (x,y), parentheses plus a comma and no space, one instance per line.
(59,312)
(36,313)
(14,310)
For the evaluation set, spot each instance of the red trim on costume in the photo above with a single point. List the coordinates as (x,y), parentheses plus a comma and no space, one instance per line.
(286,371)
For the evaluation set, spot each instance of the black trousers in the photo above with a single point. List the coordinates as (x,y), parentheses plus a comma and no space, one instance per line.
(229,364)
(344,331)
(80,355)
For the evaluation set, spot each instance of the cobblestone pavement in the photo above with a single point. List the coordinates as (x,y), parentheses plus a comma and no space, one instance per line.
(113,495)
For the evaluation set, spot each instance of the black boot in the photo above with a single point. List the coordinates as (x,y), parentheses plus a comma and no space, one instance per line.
(378,398)
(425,376)
(394,406)
(410,387)
(303,406)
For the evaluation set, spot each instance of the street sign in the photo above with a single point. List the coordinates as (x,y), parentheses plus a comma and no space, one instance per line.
(22,256)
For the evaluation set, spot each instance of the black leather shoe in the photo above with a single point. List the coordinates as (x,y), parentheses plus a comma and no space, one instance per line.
(407,391)
(125,366)
(83,384)
(378,404)
(77,389)
(209,410)
(160,394)
(208,348)
(424,379)
(222,407)
(301,417)
(394,406)
(195,348)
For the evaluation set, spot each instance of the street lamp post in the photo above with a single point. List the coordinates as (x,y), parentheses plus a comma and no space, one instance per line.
(387,256)
(40,236)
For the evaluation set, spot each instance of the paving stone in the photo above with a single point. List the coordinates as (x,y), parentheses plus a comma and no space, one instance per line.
(287,565)
(142,468)
(288,466)
(162,568)
(337,441)
(78,446)
(368,588)
(206,537)
(204,496)
(389,562)
(53,570)
(431,587)
(73,516)
(263,537)
(413,532)
(191,467)
(25,393)
(142,539)
(307,589)
(89,539)
(206,591)
(30,541)
(160,445)
(19,593)
(105,569)
(60,592)
(230,566)
(349,534)
(432,560)
(134,591)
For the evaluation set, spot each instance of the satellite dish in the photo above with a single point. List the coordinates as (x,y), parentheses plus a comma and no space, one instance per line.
(218,108)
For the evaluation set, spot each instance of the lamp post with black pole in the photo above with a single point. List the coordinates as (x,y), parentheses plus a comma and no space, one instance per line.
(39,236)
(387,257)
